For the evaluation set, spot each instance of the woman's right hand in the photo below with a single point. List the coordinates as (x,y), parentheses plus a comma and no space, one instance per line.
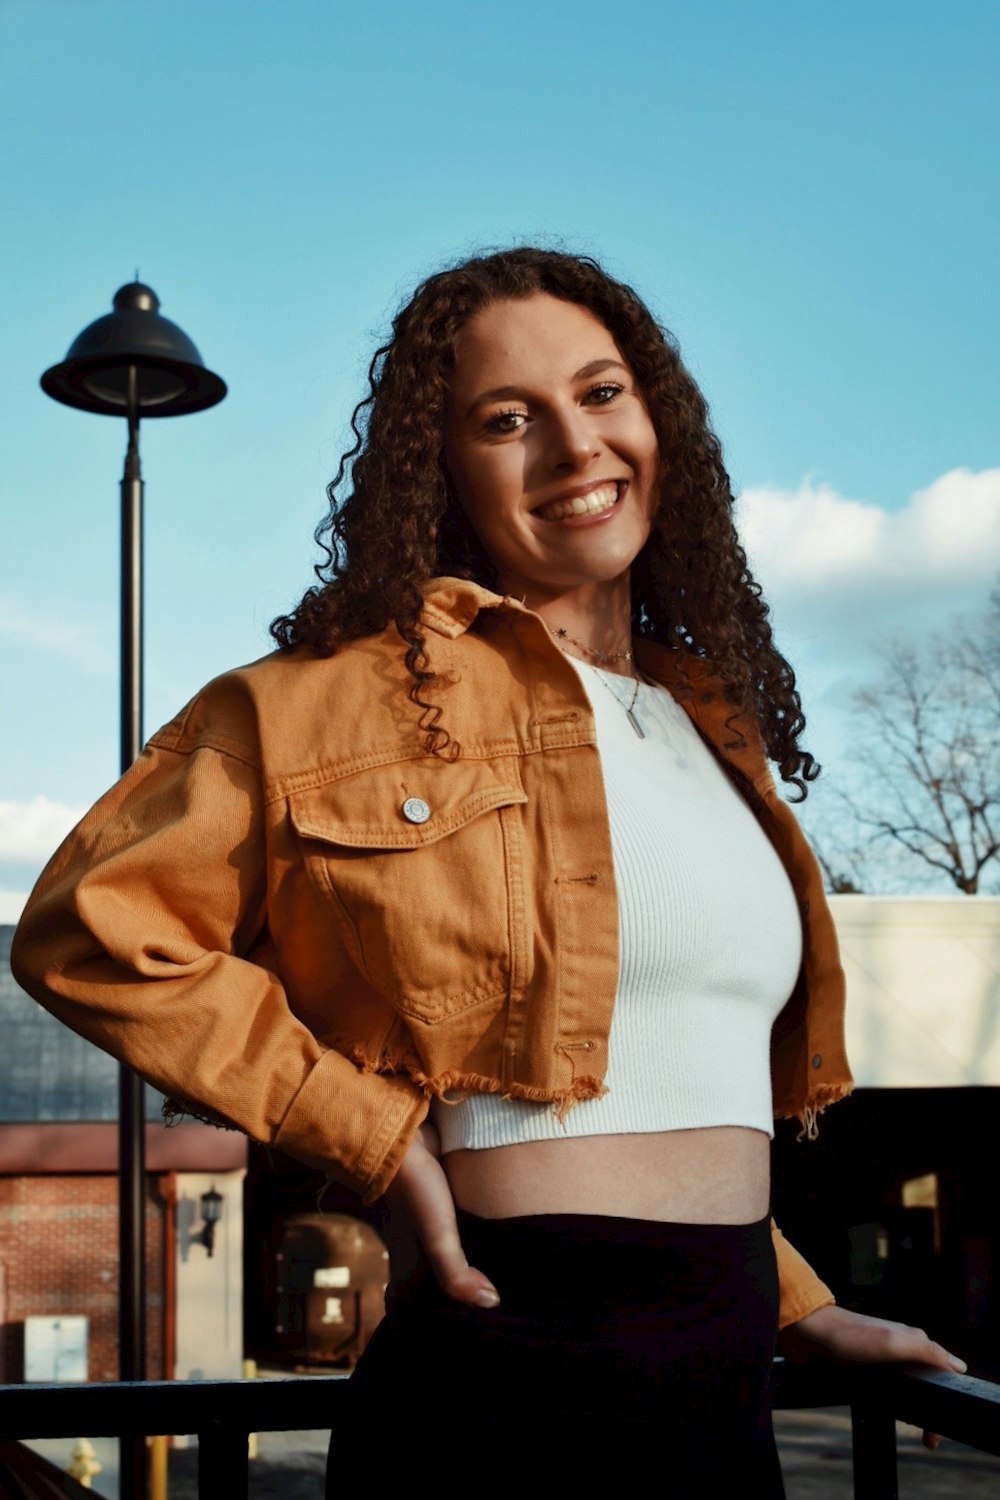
(420,1194)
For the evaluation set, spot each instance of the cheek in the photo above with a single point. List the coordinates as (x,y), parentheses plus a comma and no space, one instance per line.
(491,484)
(650,464)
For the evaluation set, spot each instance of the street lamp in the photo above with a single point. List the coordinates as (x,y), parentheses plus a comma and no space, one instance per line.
(132,363)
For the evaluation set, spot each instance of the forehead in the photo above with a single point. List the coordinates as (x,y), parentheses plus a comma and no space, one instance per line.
(528,338)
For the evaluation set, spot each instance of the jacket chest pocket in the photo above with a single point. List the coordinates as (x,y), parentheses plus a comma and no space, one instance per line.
(424,864)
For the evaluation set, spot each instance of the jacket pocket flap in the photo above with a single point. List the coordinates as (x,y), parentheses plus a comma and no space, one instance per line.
(402,806)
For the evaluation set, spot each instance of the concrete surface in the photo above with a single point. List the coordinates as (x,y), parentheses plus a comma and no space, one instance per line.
(815,1454)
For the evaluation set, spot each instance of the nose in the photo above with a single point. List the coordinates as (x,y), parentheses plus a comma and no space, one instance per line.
(572,441)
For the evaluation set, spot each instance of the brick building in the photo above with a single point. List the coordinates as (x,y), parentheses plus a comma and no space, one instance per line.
(59,1206)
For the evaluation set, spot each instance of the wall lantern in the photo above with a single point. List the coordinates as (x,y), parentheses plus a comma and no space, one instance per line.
(211,1212)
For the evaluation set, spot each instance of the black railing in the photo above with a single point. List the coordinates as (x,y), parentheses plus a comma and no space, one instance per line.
(954,1406)
(224,1412)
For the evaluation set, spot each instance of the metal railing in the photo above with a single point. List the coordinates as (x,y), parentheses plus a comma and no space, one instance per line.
(224,1412)
(959,1407)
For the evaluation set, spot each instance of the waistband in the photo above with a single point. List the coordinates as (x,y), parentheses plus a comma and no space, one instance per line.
(611,1228)
(639,1258)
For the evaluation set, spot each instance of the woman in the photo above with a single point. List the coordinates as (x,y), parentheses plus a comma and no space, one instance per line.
(478,894)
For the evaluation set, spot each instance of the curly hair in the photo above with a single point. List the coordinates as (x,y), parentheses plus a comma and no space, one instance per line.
(401,523)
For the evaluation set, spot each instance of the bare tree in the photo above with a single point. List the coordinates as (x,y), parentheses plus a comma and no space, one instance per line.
(929,754)
(842,870)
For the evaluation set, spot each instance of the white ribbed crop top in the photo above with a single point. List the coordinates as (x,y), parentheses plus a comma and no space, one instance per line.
(710,943)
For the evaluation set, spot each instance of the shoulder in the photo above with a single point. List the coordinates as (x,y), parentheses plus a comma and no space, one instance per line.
(700,687)
(291,708)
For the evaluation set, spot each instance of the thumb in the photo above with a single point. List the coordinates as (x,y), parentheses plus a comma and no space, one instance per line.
(431,1210)
(443,1247)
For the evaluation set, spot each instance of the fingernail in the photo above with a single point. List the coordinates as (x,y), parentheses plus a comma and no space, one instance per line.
(958,1364)
(486,1298)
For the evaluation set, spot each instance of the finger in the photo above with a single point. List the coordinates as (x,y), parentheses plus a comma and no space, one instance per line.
(904,1344)
(940,1358)
(468,1284)
(443,1247)
(931,1440)
(455,1276)
(432,1210)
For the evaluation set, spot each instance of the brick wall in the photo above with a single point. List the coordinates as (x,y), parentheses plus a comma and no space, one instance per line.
(59,1249)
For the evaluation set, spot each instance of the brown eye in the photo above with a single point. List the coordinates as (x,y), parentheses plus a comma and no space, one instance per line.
(601,394)
(506,421)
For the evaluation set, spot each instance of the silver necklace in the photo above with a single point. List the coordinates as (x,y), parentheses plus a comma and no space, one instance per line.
(629,707)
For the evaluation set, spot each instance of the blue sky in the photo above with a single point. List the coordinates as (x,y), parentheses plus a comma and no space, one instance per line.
(805,193)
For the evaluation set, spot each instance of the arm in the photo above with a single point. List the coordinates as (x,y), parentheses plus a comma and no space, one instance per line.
(800,1290)
(136,937)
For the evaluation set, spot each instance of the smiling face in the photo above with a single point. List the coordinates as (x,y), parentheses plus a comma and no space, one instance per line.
(550,448)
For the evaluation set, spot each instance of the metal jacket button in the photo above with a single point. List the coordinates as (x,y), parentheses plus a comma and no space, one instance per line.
(817,1061)
(416,810)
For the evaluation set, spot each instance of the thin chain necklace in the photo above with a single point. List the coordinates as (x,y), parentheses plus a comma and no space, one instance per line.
(629,707)
(605,657)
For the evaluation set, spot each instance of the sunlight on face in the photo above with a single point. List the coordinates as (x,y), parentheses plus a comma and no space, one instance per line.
(550,446)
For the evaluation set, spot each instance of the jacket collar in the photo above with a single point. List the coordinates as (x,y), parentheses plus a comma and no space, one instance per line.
(451,605)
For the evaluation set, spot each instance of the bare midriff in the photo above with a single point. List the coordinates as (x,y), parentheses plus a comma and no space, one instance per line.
(705,1176)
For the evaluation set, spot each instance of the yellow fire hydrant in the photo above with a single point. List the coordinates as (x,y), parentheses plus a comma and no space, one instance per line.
(84,1465)
(250,1373)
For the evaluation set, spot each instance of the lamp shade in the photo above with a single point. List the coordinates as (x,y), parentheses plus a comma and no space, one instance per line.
(171,379)
(211,1206)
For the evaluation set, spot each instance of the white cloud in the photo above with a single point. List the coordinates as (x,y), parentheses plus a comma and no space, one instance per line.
(808,535)
(843,575)
(30,831)
(947,533)
(954,526)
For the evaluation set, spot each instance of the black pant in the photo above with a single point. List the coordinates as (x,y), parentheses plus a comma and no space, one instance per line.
(619,1344)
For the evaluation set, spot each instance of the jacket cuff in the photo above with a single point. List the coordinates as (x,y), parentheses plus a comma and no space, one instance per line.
(800,1290)
(352,1124)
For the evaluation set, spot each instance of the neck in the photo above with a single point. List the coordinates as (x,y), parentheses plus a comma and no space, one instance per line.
(599,615)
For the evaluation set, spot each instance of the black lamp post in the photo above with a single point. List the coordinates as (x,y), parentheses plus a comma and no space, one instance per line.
(132,363)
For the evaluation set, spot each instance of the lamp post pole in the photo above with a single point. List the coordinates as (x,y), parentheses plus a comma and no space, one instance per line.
(132,362)
(131,1090)
(132,494)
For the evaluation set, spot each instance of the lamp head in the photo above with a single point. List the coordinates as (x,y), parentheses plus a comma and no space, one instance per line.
(171,378)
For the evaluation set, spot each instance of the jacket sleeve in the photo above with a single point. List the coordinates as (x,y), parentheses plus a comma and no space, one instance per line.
(800,1290)
(137,936)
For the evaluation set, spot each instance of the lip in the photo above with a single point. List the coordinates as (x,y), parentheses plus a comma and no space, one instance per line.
(598,518)
(582,489)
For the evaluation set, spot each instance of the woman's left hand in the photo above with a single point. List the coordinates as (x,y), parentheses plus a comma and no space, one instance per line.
(854,1338)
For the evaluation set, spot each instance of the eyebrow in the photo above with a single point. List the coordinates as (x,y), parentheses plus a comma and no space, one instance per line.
(511,392)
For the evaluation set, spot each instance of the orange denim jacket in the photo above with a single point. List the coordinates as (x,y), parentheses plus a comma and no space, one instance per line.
(290,916)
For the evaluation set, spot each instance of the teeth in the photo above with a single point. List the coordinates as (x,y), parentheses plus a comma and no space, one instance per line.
(590,504)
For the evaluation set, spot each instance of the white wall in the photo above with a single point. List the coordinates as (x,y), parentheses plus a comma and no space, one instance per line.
(923,989)
(209,1290)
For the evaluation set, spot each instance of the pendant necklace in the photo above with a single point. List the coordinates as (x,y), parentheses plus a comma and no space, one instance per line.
(629,707)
